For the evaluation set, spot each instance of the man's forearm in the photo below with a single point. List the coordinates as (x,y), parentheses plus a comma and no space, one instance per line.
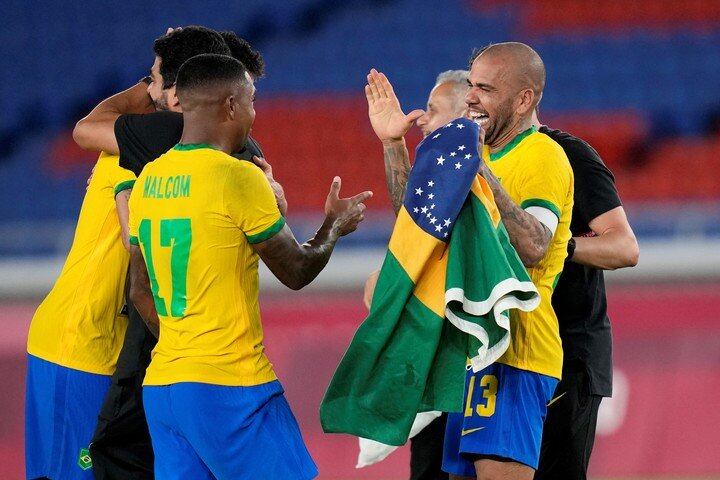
(609,251)
(298,265)
(527,234)
(145,306)
(96,132)
(397,170)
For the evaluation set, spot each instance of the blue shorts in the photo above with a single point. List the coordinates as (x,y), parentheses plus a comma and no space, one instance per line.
(503,417)
(61,412)
(216,432)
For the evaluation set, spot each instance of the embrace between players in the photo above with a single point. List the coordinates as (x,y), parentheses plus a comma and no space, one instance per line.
(195,225)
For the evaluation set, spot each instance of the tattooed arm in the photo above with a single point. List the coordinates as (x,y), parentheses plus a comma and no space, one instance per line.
(397,169)
(390,125)
(297,265)
(529,237)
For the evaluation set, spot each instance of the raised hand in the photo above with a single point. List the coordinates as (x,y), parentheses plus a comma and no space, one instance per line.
(386,116)
(345,213)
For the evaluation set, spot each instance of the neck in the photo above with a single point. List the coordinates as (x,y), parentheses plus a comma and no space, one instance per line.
(520,126)
(202,133)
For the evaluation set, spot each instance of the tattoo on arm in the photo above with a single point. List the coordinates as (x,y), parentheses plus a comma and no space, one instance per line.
(397,169)
(527,234)
(297,265)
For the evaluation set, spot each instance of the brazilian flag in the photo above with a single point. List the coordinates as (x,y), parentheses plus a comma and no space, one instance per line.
(448,280)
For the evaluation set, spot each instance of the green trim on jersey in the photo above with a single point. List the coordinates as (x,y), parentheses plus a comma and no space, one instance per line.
(514,143)
(184,147)
(134,240)
(126,185)
(539,202)
(267,233)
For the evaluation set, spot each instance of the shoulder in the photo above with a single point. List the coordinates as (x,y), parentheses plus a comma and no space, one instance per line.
(545,152)
(167,121)
(582,156)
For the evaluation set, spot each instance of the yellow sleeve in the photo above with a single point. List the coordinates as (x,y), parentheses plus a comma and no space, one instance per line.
(133,217)
(547,178)
(119,178)
(250,203)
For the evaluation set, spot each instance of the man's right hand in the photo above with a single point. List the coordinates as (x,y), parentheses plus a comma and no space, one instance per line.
(386,116)
(344,213)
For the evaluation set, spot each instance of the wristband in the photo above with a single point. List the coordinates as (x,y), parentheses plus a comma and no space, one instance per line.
(570,249)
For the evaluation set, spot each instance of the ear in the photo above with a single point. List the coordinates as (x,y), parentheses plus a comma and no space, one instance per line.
(173,101)
(527,100)
(230,107)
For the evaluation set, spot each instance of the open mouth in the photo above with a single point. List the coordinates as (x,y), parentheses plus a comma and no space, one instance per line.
(478,117)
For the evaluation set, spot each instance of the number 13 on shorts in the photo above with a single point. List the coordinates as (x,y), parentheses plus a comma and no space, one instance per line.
(485,405)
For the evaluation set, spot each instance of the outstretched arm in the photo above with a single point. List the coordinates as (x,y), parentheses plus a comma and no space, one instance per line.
(96,132)
(390,125)
(297,265)
(140,292)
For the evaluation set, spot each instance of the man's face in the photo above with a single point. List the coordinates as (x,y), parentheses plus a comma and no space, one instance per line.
(491,97)
(244,111)
(445,103)
(163,98)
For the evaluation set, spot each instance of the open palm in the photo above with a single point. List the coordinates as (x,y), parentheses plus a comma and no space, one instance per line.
(386,116)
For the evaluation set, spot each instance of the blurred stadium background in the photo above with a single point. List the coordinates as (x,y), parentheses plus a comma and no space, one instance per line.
(639,80)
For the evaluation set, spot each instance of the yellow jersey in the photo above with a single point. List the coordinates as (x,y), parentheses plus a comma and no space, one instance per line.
(195,213)
(79,323)
(535,171)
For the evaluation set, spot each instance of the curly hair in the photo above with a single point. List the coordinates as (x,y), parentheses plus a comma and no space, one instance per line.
(178,46)
(241,50)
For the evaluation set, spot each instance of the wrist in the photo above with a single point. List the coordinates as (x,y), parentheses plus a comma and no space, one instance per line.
(393,142)
(330,228)
(570,249)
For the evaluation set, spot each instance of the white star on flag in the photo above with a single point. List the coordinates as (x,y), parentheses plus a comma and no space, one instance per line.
(461,147)
(447,222)
(431,196)
(424,210)
(432,207)
(416,209)
(467,157)
(452,154)
(460,126)
(431,183)
(445,235)
(436,136)
(448,125)
(438,228)
(429,215)
(458,165)
(418,191)
(440,160)
(433,220)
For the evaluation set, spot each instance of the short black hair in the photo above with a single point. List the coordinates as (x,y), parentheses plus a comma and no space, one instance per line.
(176,47)
(241,50)
(209,70)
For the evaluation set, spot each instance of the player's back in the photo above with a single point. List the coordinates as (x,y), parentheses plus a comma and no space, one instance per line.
(195,212)
(79,324)
(535,172)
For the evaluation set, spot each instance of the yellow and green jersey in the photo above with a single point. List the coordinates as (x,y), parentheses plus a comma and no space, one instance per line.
(79,324)
(535,172)
(195,211)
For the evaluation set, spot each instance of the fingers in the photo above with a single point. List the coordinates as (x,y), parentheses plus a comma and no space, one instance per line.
(335,188)
(414,115)
(384,85)
(372,83)
(361,197)
(263,164)
(369,95)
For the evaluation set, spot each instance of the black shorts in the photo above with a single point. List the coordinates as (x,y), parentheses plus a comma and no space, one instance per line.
(426,451)
(569,430)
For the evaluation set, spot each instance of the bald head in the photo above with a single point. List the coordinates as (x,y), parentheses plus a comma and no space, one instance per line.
(523,67)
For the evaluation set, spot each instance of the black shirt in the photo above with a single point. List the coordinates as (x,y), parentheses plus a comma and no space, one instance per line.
(141,139)
(579,299)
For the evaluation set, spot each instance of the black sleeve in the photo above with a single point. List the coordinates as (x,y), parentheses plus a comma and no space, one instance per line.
(143,138)
(595,191)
